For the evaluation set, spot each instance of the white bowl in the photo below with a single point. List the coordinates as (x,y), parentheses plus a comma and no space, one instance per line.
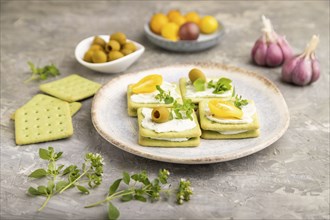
(115,66)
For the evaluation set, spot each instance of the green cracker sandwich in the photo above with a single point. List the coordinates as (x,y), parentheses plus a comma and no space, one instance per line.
(220,130)
(72,88)
(43,123)
(133,106)
(189,137)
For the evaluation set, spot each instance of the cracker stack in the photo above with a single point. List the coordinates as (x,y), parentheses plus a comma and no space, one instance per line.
(45,118)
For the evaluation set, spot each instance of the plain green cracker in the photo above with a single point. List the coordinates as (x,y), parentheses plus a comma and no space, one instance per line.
(43,123)
(207,124)
(192,142)
(194,132)
(133,106)
(41,99)
(216,135)
(72,88)
(183,89)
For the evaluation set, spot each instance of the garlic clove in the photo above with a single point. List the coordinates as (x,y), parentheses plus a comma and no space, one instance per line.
(260,54)
(274,55)
(302,74)
(288,68)
(316,70)
(256,45)
(285,47)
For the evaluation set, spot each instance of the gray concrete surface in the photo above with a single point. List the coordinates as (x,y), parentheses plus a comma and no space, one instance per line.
(287,180)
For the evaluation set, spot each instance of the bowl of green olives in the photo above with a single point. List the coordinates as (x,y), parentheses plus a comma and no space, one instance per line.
(108,53)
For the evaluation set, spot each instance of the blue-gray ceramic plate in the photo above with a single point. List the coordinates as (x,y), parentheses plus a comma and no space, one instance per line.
(109,116)
(202,43)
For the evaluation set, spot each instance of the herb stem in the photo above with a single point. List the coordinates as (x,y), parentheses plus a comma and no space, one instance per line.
(45,203)
(109,198)
(73,182)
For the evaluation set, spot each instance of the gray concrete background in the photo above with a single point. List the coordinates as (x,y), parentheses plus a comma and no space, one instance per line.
(287,180)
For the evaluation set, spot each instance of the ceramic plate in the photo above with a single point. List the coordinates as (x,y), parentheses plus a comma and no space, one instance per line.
(203,42)
(109,116)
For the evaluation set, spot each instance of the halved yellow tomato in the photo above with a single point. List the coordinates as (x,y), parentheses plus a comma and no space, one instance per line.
(224,109)
(147,84)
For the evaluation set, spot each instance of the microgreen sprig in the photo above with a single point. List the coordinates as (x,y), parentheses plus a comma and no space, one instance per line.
(92,169)
(42,73)
(221,86)
(163,96)
(239,102)
(184,191)
(187,107)
(139,187)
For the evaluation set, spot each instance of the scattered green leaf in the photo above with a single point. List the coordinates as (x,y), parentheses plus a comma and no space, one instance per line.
(221,86)
(42,73)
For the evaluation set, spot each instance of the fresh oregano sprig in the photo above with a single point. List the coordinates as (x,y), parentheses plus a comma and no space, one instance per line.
(221,86)
(187,108)
(139,187)
(42,73)
(92,169)
(163,96)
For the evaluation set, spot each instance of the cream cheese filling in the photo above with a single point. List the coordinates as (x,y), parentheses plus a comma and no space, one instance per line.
(174,125)
(171,139)
(232,132)
(207,93)
(151,97)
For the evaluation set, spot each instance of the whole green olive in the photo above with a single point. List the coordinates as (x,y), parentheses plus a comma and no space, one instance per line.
(119,36)
(99,57)
(88,56)
(112,45)
(98,40)
(129,45)
(96,47)
(160,114)
(114,55)
(126,51)
(196,74)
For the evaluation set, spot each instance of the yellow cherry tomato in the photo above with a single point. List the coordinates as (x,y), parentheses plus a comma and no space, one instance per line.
(224,109)
(147,84)
(157,22)
(192,17)
(173,14)
(170,31)
(208,24)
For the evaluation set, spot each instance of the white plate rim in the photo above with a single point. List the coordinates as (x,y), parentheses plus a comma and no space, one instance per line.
(202,160)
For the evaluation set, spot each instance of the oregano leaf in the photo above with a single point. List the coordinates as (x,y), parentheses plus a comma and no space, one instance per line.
(82,189)
(44,154)
(113,188)
(126,178)
(38,173)
(113,212)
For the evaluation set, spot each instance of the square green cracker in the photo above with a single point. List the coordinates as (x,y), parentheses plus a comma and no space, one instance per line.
(207,124)
(41,99)
(183,88)
(148,142)
(72,88)
(43,123)
(133,106)
(216,135)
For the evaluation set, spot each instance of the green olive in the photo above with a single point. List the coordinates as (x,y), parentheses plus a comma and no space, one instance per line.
(196,74)
(160,114)
(99,57)
(126,51)
(88,56)
(129,45)
(99,41)
(112,45)
(114,55)
(96,47)
(120,37)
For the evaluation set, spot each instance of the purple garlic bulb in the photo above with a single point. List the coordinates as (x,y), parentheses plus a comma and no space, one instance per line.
(270,49)
(303,69)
